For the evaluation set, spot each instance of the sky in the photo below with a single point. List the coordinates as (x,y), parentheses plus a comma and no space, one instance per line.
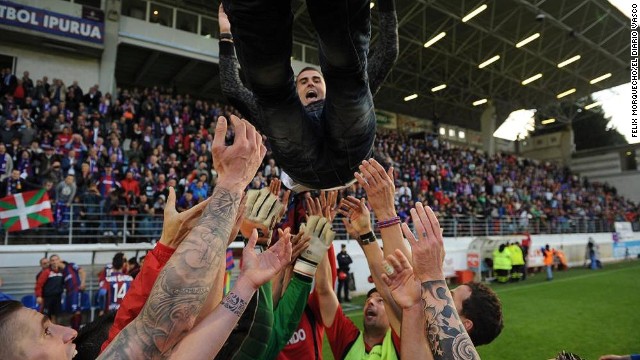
(615,102)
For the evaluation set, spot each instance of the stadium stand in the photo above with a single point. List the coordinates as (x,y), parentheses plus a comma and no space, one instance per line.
(125,150)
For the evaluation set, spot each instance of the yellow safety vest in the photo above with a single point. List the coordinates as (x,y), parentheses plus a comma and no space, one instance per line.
(384,351)
(501,260)
(516,255)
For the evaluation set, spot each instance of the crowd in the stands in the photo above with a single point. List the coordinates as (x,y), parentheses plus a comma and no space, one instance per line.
(118,154)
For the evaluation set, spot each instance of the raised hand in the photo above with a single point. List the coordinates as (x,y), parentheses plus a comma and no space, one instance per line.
(314,208)
(236,164)
(274,187)
(328,201)
(176,226)
(257,269)
(399,277)
(223,21)
(356,216)
(299,243)
(263,211)
(379,186)
(428,247)
(319,229)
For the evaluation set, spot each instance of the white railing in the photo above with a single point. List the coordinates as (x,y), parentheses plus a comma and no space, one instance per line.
(90,224)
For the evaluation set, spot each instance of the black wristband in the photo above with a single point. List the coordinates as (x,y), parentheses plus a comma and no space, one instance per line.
(367,238)
(226,36)
(227,48)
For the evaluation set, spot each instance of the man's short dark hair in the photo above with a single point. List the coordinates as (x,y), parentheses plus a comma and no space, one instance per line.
(9,334)
(484,309)
(90,338)
(374,290)
(308,68)
(118,260)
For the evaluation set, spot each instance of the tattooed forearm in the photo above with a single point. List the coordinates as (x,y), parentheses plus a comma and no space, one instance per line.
(183,284)
(445,332)
(234,304)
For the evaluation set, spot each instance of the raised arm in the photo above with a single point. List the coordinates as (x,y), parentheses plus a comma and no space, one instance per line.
(205,340)
(357,221)
(398,276)
(447,335)
(378,184)
(232,87)
(327,298)
(175,228)
(184,284)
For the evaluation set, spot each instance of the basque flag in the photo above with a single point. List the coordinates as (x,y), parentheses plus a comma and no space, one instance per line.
(25,210)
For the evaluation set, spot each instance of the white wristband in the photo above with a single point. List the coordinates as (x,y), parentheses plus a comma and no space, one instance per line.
(305,268)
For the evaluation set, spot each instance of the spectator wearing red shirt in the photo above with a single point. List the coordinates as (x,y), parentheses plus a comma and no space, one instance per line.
(129,184)
(48,290)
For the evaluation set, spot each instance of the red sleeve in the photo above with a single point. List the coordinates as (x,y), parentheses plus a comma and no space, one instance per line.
(102,275)
(314,302)
(40,282)
(314,305)
(332,260)
(140,289)
(396,342)
(341,334)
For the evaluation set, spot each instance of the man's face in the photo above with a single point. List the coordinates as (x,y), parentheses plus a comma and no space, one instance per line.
(460,294)
(44,263)
(15,174)
(41,339)
(375,315)
(310,86)
(55,262)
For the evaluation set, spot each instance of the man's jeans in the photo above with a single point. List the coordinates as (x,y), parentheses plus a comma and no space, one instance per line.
(320,148)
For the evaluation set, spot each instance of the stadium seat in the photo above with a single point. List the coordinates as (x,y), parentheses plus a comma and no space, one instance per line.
(29,301)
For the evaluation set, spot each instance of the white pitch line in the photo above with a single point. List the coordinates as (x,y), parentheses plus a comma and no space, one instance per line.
(598,273)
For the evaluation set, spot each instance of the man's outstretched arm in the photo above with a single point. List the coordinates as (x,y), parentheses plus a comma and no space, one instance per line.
(447,335)
(205,340)
(184,284)
(357,221)
(232,87)
(398,276)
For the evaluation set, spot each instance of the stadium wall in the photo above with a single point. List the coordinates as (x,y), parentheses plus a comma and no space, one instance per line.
(39,63)
(573,245)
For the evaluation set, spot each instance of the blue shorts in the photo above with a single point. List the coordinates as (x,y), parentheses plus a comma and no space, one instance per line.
(72,302)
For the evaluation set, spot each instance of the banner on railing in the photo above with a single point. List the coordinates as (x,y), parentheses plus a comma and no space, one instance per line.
(25,210)
(50,22)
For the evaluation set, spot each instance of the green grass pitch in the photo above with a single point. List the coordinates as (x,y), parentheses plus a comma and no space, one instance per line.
(589,313)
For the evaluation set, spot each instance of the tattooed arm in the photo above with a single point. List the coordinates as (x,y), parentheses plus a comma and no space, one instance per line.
(185,282)
(206,339)
(405,289)
(446,333)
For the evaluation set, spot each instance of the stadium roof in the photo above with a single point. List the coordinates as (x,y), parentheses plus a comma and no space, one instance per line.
(594,30)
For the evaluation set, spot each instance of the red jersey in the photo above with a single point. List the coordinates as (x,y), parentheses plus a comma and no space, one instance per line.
(116,284)
(307,339)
